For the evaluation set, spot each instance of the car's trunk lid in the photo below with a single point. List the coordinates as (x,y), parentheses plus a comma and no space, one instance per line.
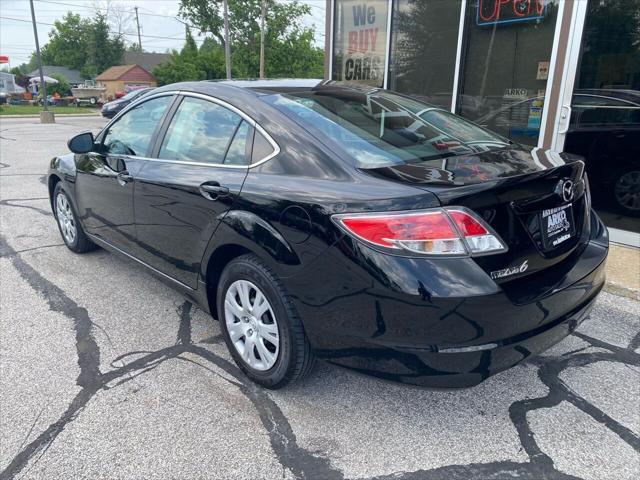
(536,201)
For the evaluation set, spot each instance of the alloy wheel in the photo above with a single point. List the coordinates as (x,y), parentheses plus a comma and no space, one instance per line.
(252,325)
(627,190)
(65,218)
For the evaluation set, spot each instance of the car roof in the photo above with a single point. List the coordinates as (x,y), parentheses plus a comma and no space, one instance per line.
(279,85)
(248,86)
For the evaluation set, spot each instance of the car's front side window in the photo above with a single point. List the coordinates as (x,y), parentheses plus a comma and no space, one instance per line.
(205,132)
(131,134)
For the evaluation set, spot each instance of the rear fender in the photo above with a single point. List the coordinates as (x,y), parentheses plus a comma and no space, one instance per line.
(253,234)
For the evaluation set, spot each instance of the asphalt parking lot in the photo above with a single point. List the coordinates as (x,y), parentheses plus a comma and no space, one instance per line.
(106,373)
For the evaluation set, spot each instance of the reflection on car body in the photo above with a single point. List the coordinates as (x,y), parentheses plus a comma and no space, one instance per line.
(319,219)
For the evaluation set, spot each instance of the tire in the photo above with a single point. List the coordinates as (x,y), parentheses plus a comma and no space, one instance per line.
(626,191)
(293,356)
(68,223)
(93,100)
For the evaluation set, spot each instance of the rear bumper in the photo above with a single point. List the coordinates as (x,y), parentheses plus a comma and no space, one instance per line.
(440,324)
(464,366)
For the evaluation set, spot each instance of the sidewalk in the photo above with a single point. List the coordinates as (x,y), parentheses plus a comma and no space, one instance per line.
(623,271)
(37,115)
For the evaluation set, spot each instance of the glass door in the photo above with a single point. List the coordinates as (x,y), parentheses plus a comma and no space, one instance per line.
(600,116)
(424,44)
(506,59)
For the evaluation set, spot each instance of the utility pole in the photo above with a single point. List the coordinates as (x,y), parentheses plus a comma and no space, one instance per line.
(227,47)
(45,116)
(138,23)
(262,21)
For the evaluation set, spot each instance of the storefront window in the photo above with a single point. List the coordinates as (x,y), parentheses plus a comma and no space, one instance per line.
(605,119)
(505,65)
(424,42)
(360,39)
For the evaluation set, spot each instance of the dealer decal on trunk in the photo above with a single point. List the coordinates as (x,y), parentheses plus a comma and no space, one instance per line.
(557,224)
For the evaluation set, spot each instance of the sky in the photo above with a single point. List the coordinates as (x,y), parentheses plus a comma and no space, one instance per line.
(159,28)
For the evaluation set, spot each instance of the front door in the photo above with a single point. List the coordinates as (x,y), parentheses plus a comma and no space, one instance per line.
(106,178)
(182,195)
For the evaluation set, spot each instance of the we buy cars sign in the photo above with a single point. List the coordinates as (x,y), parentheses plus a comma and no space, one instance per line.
(365,27)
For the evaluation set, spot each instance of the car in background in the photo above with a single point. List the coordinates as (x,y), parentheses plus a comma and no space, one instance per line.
(110,109)
(604,129)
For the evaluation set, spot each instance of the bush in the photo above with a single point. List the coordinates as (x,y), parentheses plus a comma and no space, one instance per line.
(62,87)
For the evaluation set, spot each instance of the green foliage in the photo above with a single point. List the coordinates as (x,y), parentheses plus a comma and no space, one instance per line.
(20,77)
(67,42)
(182,66)
(62,87)
(289,49)
(81,44)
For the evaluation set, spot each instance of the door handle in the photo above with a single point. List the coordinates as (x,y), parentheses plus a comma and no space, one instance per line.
(213,190)
(124,178)
(565,116)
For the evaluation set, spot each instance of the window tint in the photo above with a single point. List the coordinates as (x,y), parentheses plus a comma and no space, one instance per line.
(131,134)
(261,148)
(596,100)
(201,131)
(237,154)
(379,128)
(610,116)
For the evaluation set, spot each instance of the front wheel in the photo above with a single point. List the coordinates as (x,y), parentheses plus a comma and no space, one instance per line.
(70,228)
(260,325)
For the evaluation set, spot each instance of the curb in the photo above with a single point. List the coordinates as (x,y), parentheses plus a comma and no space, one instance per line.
(621,291)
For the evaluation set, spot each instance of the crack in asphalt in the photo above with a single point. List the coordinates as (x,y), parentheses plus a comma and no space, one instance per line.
(302,463)
(7,202)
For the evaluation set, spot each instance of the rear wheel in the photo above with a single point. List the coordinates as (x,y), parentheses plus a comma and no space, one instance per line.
(260,325)
(70,228)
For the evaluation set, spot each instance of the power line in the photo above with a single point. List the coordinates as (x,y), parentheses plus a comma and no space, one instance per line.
(180,37)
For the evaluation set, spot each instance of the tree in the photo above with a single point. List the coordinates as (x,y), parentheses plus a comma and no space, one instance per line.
(67,42)
(103,50)
(81,44)
(289,46)
(20,77)
(62,87)
(190,63)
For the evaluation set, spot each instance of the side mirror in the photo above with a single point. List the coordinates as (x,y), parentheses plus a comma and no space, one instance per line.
(81,143)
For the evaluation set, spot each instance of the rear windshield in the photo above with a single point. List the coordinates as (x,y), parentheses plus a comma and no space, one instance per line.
(378,128)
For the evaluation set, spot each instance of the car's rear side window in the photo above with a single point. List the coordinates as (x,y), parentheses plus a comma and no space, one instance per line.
(261,148)
(378,128)
(131,134)
(205,132)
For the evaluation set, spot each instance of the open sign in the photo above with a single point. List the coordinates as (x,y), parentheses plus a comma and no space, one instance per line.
(497,12)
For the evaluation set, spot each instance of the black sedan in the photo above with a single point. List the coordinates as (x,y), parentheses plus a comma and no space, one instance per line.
(109,110)
(318,219)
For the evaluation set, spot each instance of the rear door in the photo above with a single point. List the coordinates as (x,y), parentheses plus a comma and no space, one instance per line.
(201,161)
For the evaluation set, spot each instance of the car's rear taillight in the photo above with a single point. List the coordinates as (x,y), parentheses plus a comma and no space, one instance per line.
(448,231)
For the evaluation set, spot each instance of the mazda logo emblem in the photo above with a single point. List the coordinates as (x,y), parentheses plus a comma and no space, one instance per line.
(567,190)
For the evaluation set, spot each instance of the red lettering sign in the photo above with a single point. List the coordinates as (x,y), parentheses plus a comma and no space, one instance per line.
(494,12)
